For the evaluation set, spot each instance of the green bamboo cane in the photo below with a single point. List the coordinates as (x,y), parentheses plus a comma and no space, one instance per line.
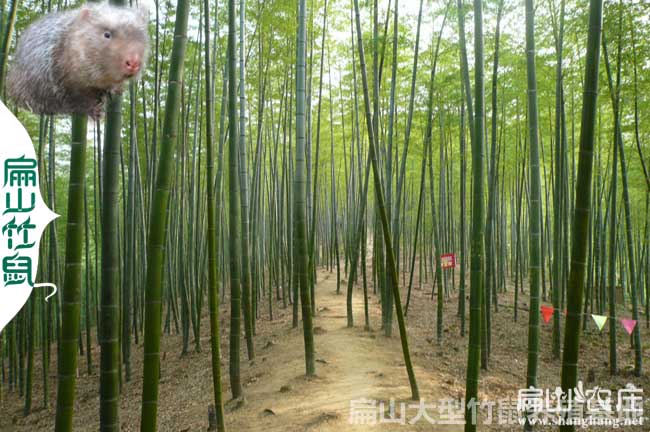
(129,238)
(636,110)
(301,264)
(88,299)
(582,205)
(463,229)
(466,87)
(314,208)
(428,156)
(613,240)
(3,6)
(334,219)
(558,208)
(6,42)
(233,210)
(392,273)
(388,322)
(417,230)
(109,329)
(407,133)
(615,97)
(213,288)
(71,291)
(157,225)
(464,68)
(477,247)
(490,285)
(243,178)
(30,312)
(534,214)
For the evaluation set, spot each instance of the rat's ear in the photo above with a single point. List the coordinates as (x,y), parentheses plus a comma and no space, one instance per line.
(85,12)
(142,10)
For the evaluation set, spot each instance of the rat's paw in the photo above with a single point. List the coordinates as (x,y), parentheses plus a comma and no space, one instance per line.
(117,89)
(97,112)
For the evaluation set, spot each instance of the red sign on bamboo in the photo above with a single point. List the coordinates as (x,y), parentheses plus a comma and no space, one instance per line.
(448,260)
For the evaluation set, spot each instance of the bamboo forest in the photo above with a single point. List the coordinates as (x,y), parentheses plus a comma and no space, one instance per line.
(330,215)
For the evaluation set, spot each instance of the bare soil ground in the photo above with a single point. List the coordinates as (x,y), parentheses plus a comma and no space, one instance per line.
(352,364)
(506,372)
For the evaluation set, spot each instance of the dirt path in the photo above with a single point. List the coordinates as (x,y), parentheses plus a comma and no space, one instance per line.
(352,364)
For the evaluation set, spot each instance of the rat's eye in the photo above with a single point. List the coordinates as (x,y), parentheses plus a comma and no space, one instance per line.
(107,35)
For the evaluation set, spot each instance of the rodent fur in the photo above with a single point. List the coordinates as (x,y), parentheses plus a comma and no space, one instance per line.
(68,62)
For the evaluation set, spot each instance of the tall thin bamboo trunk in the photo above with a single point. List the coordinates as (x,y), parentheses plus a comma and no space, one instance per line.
(477,247)
(233,209)
(156,241)
(71,305)
(580,225)
(620,148)
(109,312)
(392,270)
(301,264)
(213,288)
(243,178)
(535,213)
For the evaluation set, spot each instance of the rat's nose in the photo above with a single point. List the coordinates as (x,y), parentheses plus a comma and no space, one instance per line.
(132,64)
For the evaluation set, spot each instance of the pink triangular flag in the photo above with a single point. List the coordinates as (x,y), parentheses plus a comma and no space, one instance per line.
(629,325)
(547,313)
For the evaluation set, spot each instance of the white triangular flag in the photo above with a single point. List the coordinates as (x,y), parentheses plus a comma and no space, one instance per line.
(600,320)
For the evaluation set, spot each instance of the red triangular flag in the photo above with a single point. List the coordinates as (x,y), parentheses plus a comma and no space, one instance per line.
(629,325)
(547,313)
